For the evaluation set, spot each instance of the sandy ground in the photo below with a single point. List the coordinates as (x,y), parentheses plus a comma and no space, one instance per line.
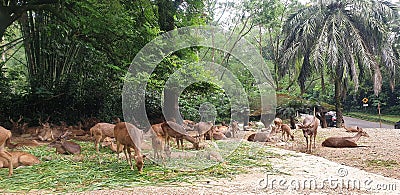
(380,152)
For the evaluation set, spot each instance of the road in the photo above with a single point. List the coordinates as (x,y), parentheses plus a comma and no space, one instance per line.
(348,121)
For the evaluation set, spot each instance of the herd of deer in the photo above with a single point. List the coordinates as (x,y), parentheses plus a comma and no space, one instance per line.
(128,136)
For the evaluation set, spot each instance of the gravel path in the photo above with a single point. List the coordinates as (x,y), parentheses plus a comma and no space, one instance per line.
(294,173)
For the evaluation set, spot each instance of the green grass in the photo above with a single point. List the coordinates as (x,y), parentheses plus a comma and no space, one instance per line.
(387,119)
(382,163)
(76,173)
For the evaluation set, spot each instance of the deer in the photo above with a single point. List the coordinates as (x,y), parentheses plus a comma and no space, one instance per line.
(5,136)
(286,130)
(65,147)
(172,129)
(128,135)
(351,129)
(309,127)
(259,137)
(19,158)
(157,139)
(344,142)
(16,127)
(110,142)
(204,128)
(101,131)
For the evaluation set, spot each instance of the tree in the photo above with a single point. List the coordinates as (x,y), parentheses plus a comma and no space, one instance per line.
(347,37)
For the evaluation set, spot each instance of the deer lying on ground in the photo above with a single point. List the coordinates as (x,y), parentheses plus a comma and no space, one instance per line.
(172,129)
(101,131)
(19,158)
(259,137)
(110,143)
(344,142)
(351,129)
(309,127)
(5,136)
(286,130)
(129,136)
(16,127)
(65,147)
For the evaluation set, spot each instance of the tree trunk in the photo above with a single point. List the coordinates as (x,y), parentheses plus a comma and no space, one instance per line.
(338,103)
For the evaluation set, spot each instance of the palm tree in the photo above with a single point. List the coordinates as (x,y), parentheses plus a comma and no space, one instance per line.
(348,38)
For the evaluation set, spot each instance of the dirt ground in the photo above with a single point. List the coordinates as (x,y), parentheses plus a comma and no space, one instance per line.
(380,152)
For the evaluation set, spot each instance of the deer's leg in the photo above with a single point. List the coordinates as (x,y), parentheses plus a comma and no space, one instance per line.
(118,147)
(8,157)
(306,142)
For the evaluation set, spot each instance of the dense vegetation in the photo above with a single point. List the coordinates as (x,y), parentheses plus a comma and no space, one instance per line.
(68,59)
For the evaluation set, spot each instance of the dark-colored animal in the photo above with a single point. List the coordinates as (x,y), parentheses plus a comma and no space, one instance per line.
(309,127)
(129,135)
(344,142)
(259,137)
(66,147)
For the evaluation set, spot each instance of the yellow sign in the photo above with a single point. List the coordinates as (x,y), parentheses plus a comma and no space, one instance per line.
(365,100)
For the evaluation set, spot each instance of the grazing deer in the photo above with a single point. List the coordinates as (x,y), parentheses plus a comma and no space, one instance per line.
(101,131)
(309,127)
(19,158)
(344,142)
(286,130)
(129,136)
(172,129)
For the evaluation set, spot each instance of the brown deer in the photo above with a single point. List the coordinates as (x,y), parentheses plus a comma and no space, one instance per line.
(351,129)
(259,137)
(128,135)
(286,130)
(65,147)
(278,123)
(172,129)
(110,142)
(19,158)
(344,142)
(101,131)
(204,128)
(16,127)
(309,127)
(5,136)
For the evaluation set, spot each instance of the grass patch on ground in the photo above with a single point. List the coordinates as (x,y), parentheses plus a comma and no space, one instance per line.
(382,163)
(387,119)
(83,172)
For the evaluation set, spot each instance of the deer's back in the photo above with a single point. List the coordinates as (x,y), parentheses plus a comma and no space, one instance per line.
(337,142)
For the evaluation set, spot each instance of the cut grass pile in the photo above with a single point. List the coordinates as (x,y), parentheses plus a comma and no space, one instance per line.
(77,173)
